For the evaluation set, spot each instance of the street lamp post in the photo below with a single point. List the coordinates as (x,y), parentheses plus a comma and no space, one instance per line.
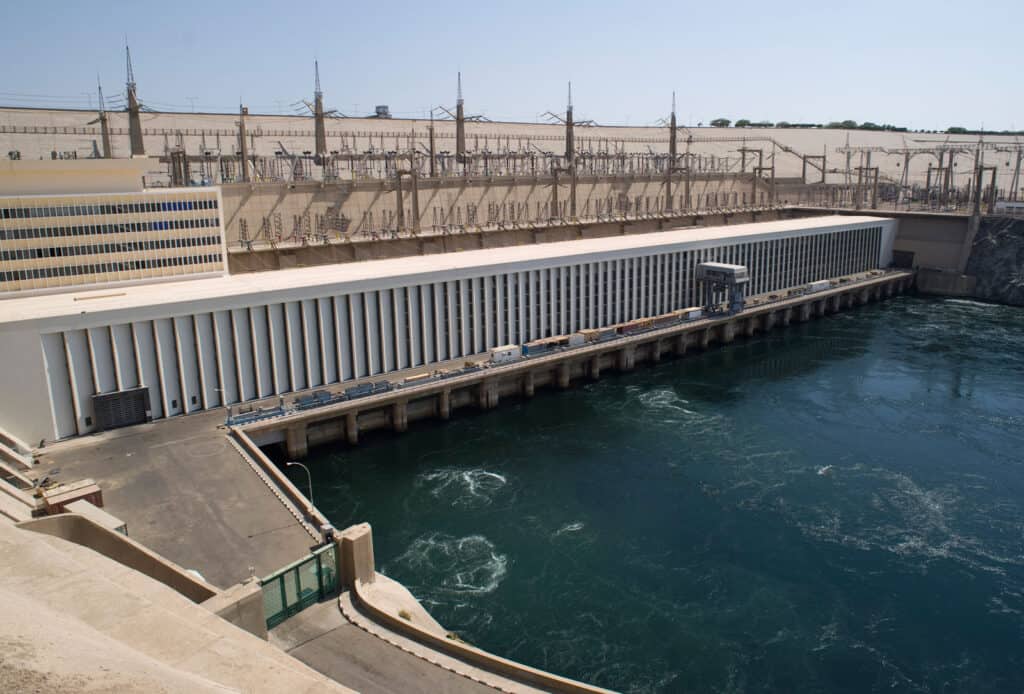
(309,479)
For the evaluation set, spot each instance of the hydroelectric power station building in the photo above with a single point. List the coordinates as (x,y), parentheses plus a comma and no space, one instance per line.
(190,345)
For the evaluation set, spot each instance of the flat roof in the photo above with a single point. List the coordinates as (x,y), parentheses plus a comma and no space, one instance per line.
(723,266)
(73,176)
(239,291)
(133,194)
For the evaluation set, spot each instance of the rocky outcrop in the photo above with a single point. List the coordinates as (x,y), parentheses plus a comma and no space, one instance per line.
(997,261)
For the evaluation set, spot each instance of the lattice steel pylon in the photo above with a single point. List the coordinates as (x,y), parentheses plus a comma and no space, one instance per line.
(134,118)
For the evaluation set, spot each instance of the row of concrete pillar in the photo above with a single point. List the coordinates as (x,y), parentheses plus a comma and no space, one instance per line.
(624,358)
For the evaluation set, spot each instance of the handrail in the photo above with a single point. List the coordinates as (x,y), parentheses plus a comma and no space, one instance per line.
(278,479)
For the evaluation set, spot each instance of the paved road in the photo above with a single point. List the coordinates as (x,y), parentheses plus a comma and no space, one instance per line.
(186,493)
(323,639)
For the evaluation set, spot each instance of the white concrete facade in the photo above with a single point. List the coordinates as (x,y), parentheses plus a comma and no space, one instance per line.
(206,343)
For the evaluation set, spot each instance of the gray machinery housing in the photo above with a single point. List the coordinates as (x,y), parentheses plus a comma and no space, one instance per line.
(723,278)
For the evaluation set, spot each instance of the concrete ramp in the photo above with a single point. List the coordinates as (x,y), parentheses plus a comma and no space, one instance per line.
(75,620)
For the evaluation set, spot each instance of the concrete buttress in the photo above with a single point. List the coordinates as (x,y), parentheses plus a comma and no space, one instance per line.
(728,332)
(355,556)
(352,427)
(488,394)
(528,384)
(682,342)
(627,358)
(564,374)
(295,441)
(400,416)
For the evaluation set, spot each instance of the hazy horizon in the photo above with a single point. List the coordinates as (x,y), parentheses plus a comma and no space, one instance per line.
(909,65)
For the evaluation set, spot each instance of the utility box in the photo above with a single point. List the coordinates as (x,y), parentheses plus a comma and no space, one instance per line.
(506,354)
(576,339)
(819,286)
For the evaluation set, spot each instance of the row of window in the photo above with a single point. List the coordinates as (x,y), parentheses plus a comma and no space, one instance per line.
(92,229)
(107,208)
(122,247)
(126,266)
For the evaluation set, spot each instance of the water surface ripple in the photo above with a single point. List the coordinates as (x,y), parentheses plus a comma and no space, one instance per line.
(838,507)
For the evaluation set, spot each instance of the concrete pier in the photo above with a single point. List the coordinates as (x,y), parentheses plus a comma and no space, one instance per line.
(727,333)
(400,416)
(488,396)
(564,374)
(444,404)
(528,384)
(352,427)
(681,344)
(296,441)
(627,358)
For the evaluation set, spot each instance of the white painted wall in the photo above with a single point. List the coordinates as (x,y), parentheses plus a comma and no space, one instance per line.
(202,359)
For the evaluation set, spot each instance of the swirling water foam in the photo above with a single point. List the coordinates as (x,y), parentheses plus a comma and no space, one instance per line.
(834,507)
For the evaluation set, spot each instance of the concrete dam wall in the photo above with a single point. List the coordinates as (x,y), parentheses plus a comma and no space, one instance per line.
(281,212)
(40,133)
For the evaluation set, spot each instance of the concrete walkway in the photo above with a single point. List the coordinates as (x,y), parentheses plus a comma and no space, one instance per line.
(186,493)
(323,639)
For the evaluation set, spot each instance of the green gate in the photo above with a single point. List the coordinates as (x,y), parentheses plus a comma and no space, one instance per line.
(290,590)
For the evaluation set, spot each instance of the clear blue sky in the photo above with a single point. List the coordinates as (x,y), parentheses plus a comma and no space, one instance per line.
(907,62)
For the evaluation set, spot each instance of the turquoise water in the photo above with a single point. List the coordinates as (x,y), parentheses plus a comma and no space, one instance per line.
(834,507)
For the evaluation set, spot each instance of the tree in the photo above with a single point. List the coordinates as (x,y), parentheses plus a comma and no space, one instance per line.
(956,130)
(742,123)
(720,123)
(783,124)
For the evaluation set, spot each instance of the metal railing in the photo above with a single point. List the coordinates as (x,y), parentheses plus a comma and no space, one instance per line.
(290,590)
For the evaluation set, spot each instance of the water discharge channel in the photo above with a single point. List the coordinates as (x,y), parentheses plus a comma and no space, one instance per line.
(838,506)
